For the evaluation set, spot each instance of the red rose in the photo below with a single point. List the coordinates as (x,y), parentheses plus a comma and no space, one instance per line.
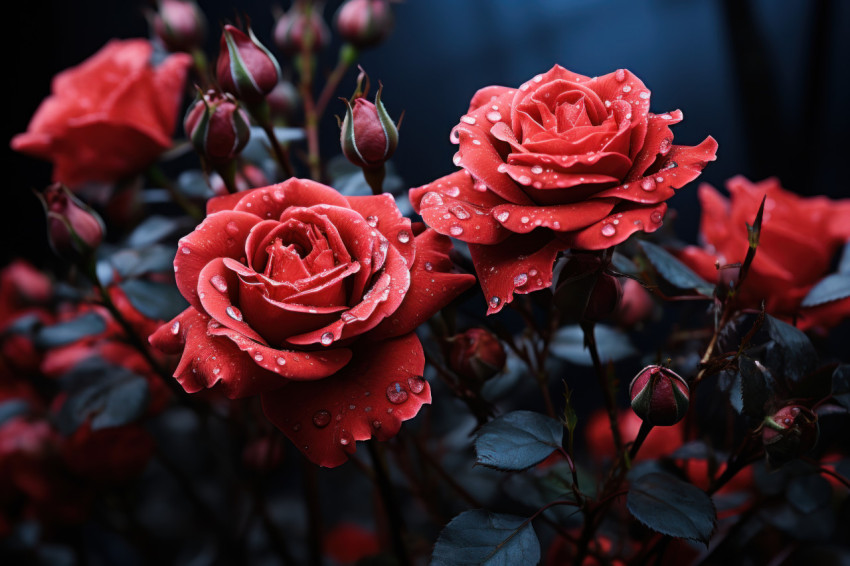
(310,299)
(565,161)
(110,116)
(799,238)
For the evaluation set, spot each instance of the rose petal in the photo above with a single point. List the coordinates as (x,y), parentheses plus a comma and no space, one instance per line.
(488,95)
(625,220)
(270,202)
(520,264)
(430,272)
(218,236)
(219,290)
(381,212)
(561,218)
(363,400)
(460,186)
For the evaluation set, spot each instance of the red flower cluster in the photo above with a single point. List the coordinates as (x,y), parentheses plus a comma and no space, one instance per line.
(564,161)
(295,292)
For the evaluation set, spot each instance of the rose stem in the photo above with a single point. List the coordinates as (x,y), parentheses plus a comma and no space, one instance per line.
(158,176)
(390,504)
(347,56)
(137,343)
(311,117)
(590,342)
(261,113)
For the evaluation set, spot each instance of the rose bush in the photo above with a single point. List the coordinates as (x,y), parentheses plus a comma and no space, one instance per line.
(310,299)
(110,116)
(799,239)
(564,161)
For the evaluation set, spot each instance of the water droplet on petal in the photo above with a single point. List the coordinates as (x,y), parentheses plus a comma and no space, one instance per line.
(537,169)
(656,217)
(281,361)
(644,94)
(620,75)
(347,317)
(258,357)
(524,180)
(216,371)
(175,328)
(494,116)
(502,216)
(432,199)
(234,313)
(219,282)
(345,438)
(327,338)
(520,279)
(608,230)
(468,120)
(647,184)
(494,302)
(664,146)
(428,266)
(502,168)
(455,230)
(396,393)
(185,250)
(524,219)
(459,211)
(416,384)
(453,191)
(456,159)
(403,236)
(627,88)
(232,228)
(372,221)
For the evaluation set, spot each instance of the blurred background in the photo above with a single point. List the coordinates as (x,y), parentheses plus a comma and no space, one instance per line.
(769,79)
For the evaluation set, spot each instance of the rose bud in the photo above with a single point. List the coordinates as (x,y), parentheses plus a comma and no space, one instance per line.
(364,23)
(302,29)
(789,433)
(245,68)
(283,101)
(217,127)
(585,292)
(476,355)
(659,396)
(72,227)
(180,25)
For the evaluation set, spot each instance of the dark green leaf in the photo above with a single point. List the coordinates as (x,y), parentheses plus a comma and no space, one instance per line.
(107,395)
(518,440)
(64,333)
(841,385)
(158,301)
(755,387)
(623,264)
(670,506)
(483,538)
(674,271)
(830,288)
(809,493)
(155,229)
(613,345)
(791,354)
(132,263)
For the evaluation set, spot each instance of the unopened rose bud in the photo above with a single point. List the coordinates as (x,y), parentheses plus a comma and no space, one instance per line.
(245,68)
(180,25)
(369,137)
(302,29)
(72,227)
(585,292)
(789,433)
(364,23)
(283,101)
(217,127)
(660,397)
(476,355)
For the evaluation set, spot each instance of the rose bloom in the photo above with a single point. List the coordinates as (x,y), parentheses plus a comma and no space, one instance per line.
(799,239)
(564,161)
(109,117)
(310,299)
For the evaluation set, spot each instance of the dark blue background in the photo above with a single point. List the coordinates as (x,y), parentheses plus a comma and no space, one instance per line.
(767,78)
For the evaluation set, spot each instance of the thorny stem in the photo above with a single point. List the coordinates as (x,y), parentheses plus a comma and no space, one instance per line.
(610,407)
(390,503)
(280,154)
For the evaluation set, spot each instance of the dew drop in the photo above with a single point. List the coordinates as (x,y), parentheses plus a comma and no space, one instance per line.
(281,361)
(175,328)
(647,184)
(219,283)
(347,317)
(502,216)
(258,357)
(456,159)
(278,196)
(656,217)
(376,424)
(234,313)
(231,228)
(403,236)
(396,393)
(428,266)
(432,199)
(644,94)
(468,120)
(185,250)
(416,384)
(345,438)
(664,146)
(494,302)
(537,169)
(460,212)
(620,75)
(659,179)
(494,116)
(524,219)
(520,279)
(524,180)
(454,136)
(327,338)
(627,88)
(453,191)
(455,230)
(502,168)
(608,230)
(372,221)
